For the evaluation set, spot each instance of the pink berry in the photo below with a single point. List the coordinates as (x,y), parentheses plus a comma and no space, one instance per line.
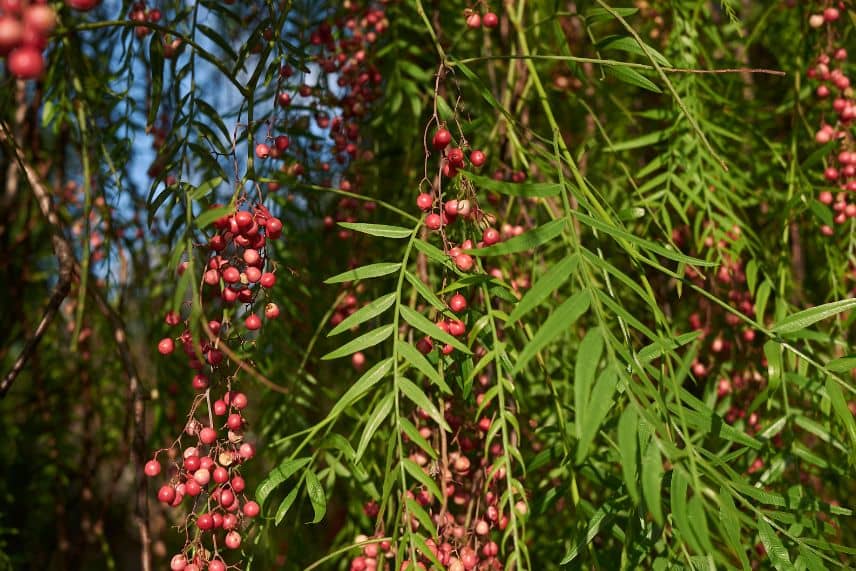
(457,303)
(251,509)
(152,468)
(166,346)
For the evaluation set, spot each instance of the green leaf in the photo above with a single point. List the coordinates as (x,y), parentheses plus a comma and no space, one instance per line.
(585,370)
(630,45)
(430,329)
(364,341)
(632,77)
(730,525)
(433,252)
(662,346)
(652,480)
(559,322)
(595,15)
(156,64)
(773,353)
(805,318)
(597,409)
(622,234)
(639,142)
(424,519)
(628,445)
(420,399)
(526,241)
(424,291)
(277,476)
(381,412)
(356,391)
(211,215)
(286,504)
(777,553)
(541,290)
(365,272)
(206,187)
(365,313)
(316,496)
(842,365)
(418,360)
(519,189)
(420,476)
(380,230)
(842,411)
(678,496)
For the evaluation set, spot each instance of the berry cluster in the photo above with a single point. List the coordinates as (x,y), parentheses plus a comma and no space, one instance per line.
(469,517)
(139,12)
(208,471)
(475,19)
(833,85)
(24,31)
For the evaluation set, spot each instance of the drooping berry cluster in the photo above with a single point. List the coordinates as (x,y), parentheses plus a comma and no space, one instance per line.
(834,91)
(208,470)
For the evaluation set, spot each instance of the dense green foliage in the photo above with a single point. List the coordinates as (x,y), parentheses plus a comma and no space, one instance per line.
(653,368)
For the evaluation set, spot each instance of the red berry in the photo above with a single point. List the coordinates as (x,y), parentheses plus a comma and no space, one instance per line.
(268,279)
(11,34)
(83,5)
(262,151)
(200,382)
(166,346)
(464,262)
(490,236)
(251,509)
(271,311)
(282,142)
(208,435)
(233,540)
(490,20)
(457,303)
(478,158)
(238,400)
(433,221)
(219,407)
(178,563)
(226,498)
(216,565)
(152,468)
(235,421)
(205,522)
(166,494)
(220,475)
(247,451)
(441,138)
(253,322)
(474,21)
(424,201)
(238,484)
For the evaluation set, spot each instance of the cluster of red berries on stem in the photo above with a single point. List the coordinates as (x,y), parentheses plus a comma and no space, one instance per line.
(835,92)
(24,31)
(140,13)
(208,472)
(470,518)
